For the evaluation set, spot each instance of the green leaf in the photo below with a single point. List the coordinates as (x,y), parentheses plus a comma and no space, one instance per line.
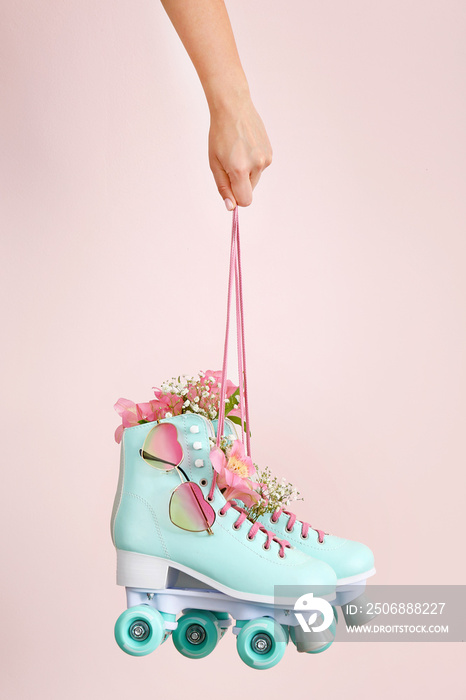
(237,420)
(230,404)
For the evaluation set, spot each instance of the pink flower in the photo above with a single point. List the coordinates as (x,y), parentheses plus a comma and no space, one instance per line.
(212,382)
(217,375)
(239,462)
(172,402)
(136,413)
(234,472)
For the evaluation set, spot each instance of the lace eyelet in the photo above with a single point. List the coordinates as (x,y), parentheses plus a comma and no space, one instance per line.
(264,546)
(250,538)
(287,530)
(203,482)
(320,541)
(220,514)
(304,537)
(274,522)
(282,556)
(235,527)
(208,498)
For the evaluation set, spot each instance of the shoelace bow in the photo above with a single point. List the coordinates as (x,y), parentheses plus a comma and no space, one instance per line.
(236,275)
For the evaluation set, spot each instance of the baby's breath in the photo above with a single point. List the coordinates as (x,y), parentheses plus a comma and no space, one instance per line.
(197,393)
(275,493)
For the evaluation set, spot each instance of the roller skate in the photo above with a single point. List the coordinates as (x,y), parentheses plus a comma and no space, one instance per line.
(190,559)
(353,562)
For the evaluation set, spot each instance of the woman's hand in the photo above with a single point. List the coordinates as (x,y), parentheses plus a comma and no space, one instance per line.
(239,150)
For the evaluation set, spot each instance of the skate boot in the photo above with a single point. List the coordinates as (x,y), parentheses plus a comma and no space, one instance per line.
(183,548)
(353,562)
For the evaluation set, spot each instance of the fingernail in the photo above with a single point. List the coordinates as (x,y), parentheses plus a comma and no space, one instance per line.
(229,204)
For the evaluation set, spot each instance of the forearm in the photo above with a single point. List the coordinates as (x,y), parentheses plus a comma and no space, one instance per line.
(205,30)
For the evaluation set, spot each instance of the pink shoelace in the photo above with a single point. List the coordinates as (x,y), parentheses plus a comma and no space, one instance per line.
(236,275)
(305,527)
(256,527)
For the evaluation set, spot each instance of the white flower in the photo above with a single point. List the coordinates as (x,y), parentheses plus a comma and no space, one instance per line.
(196,399)
(195,408)
(168,415)
(186,403)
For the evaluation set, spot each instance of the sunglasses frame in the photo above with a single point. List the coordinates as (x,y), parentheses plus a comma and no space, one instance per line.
(181,474)
(208,527)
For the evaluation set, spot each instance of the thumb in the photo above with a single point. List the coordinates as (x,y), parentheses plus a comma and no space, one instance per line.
(224,186)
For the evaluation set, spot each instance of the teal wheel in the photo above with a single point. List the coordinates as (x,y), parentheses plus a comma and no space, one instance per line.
(319,644)
(139,630)
(197,634)
(261,643)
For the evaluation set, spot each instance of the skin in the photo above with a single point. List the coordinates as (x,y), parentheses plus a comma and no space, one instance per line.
(239,148)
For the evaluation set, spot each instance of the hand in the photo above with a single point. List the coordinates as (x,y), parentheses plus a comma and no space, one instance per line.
(239,150)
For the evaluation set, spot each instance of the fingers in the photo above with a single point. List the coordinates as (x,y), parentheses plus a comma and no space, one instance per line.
(236,186)
(223,184)
(262,163)
(241,186)
(244,180)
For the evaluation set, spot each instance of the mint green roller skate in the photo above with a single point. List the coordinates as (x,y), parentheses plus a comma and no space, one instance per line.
(353,562)
(183,549)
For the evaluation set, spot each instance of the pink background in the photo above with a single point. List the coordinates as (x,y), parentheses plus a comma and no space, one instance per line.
(114,256)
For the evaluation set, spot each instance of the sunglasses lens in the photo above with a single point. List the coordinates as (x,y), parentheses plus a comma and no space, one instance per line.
(161,448)
(189,509)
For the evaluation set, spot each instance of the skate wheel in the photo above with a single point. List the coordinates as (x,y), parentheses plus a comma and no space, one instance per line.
(261,643)
(139,630)
(316,646)
(197,634)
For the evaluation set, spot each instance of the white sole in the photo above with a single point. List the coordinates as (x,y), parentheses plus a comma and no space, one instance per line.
(358,578)
(142,571)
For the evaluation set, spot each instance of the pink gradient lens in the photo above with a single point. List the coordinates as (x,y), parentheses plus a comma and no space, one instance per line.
(189,509)
(161,448)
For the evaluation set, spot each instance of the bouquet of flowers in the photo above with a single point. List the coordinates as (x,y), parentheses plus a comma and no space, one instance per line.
(237,476)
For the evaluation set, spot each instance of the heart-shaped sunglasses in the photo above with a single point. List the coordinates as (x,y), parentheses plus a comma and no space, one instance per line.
(188,508)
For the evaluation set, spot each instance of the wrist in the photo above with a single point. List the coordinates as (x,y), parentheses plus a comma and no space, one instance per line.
(227,94)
